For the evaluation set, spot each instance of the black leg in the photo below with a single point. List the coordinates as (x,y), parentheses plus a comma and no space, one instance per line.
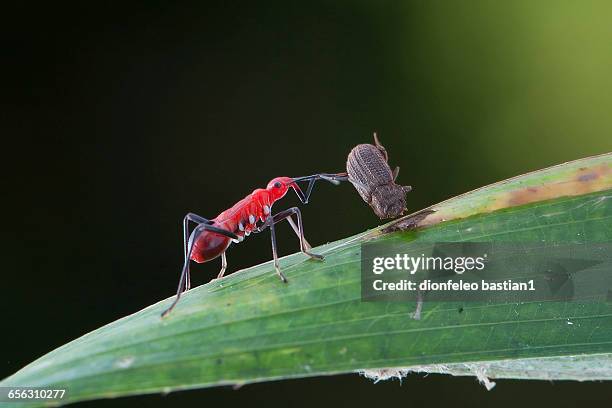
(185,272)
(275,253)
(299,231)
(198,220)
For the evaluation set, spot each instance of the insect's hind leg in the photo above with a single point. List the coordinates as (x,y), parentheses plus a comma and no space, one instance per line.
(198,220)
(192,237)
(182,286)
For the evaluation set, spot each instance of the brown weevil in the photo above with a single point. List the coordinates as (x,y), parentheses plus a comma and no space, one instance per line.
(368,170)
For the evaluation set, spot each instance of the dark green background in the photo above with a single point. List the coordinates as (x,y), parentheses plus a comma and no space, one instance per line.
(117,120)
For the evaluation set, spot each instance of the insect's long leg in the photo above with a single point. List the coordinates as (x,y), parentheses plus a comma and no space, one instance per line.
(185,272)
(223,266)
(293,226)
(299,230)
(304,245)
(275,252)
(199,220)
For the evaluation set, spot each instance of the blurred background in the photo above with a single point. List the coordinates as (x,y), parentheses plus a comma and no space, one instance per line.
(118,120)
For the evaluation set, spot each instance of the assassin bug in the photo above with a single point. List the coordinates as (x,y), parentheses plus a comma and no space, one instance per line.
(253,214)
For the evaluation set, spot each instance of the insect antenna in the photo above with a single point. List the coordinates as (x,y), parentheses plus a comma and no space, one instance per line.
(332,178)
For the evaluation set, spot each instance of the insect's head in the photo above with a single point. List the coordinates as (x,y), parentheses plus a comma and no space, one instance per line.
(278,187)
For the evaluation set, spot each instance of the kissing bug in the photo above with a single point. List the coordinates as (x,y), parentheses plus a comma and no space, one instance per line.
(253,214)
(373,179)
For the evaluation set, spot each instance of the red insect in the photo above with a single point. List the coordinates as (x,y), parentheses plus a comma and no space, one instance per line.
(253,214)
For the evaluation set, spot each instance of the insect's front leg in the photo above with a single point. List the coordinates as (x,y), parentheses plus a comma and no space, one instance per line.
(298,229)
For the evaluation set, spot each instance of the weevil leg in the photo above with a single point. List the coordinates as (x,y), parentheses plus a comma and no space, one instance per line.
(395,173)
(223,266)
(275,252)
(357,183)
(381,147)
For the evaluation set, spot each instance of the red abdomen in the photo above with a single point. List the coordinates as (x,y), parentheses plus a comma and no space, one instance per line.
(208,246)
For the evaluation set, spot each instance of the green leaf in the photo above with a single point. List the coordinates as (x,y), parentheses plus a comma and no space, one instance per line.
(250,327)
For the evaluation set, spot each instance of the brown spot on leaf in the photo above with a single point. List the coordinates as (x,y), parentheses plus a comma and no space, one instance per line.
(573,182)
(587,177)
(587,180)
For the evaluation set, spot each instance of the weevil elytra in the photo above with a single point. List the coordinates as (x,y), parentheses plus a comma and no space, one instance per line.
(368,170)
